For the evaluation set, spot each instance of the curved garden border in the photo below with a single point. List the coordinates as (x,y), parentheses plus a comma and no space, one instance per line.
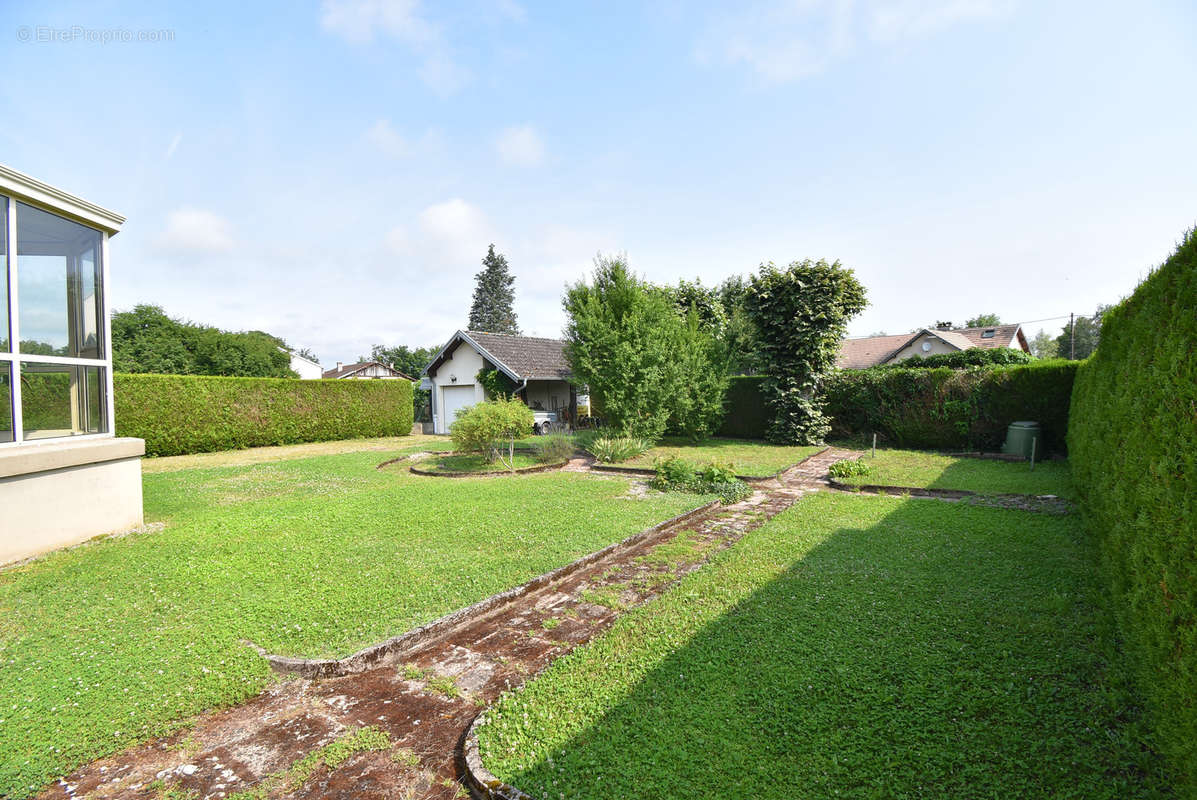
(750,479)
(396,646)
(489,473)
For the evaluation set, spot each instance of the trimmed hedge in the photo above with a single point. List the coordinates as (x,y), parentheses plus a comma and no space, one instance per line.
(178,414)
(946,409)
(963,359)
(746,416)
(1133,440)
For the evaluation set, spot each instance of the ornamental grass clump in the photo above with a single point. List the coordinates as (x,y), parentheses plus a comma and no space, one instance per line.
(613,449)
(553,448)
(491,427)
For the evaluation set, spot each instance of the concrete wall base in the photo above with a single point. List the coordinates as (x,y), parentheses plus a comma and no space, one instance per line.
(63,493)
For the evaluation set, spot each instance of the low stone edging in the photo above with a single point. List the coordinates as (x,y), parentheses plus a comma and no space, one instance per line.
(480,779)
(373,655)
(913,491)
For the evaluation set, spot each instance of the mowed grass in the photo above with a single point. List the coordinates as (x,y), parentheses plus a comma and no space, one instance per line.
(923,470)
(469,462)
(851,647)
(751,458)
(120,639)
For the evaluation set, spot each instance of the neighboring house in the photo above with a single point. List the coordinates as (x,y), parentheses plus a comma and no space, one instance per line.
(306,368)
(872,351)
(64,476)
(536,366)
(366,370)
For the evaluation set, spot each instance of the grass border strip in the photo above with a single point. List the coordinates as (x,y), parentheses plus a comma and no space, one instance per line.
(376,654)
(616,468)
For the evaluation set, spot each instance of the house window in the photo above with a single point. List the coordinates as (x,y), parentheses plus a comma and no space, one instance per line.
(54,361)
(989,334)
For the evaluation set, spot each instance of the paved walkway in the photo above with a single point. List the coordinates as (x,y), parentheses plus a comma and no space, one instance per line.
(426,698)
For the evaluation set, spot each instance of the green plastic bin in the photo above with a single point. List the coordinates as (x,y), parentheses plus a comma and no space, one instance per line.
(1019,437)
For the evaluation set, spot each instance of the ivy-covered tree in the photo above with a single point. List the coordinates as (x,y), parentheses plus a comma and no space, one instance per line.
(801,313)
(492,310)
(740,342)
(649,368)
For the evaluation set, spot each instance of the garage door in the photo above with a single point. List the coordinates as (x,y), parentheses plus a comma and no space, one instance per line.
(456,397)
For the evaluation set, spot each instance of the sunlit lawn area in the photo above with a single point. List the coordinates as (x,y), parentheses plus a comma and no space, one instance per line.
(923,470)
(854,646)
(752,458)
(120,639)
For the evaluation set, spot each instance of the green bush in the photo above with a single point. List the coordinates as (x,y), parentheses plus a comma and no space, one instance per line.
(178,414)
(484,428)
(674,470)
(946,409)
(553,448)
(965,359)
(678,475)
(1133,440)
(746,416)
(613,449)
(849,468)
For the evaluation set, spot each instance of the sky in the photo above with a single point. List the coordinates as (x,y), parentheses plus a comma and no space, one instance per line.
(332,171)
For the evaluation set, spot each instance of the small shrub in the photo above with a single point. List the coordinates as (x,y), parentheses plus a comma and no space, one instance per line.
(553,448)
(485,427)
(673,470)
(849,468)
(675,474)
(613,449)
(716,472)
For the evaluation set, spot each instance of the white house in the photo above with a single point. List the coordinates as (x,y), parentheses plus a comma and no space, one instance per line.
(872,351)
(64,476)
(536,367)
(305,368)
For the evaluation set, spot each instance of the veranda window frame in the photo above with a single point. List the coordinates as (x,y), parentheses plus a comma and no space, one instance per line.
(15,359)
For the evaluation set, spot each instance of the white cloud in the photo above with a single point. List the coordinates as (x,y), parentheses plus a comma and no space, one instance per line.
(446,236)
(786,41)
(387,139)
(173,146)
(358,20)
(361,21)
(197,232)
(521,146)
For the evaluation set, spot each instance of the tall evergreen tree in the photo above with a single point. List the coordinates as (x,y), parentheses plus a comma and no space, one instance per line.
(492,310)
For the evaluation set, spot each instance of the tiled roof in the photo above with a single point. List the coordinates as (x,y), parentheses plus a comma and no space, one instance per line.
(870,351)
(528,357)
(349,369)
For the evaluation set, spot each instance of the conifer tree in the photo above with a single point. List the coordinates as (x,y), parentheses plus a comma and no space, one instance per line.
(492,310)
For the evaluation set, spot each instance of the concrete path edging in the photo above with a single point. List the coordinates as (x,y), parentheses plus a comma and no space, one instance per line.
(396,646)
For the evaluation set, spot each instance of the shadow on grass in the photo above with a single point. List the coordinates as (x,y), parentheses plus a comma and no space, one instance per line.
(865,647)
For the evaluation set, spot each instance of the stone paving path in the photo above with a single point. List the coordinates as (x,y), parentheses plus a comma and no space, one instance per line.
(425,699)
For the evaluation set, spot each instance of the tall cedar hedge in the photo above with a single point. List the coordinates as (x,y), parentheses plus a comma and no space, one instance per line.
(947,409)
(1133,440)
(178,414)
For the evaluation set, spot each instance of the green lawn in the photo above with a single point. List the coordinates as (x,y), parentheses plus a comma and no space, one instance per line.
(923,470)
(468,462)
(751,458)
(854,646)
(109,643)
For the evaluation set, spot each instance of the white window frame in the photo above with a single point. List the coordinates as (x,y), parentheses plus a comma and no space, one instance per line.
(15,359)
